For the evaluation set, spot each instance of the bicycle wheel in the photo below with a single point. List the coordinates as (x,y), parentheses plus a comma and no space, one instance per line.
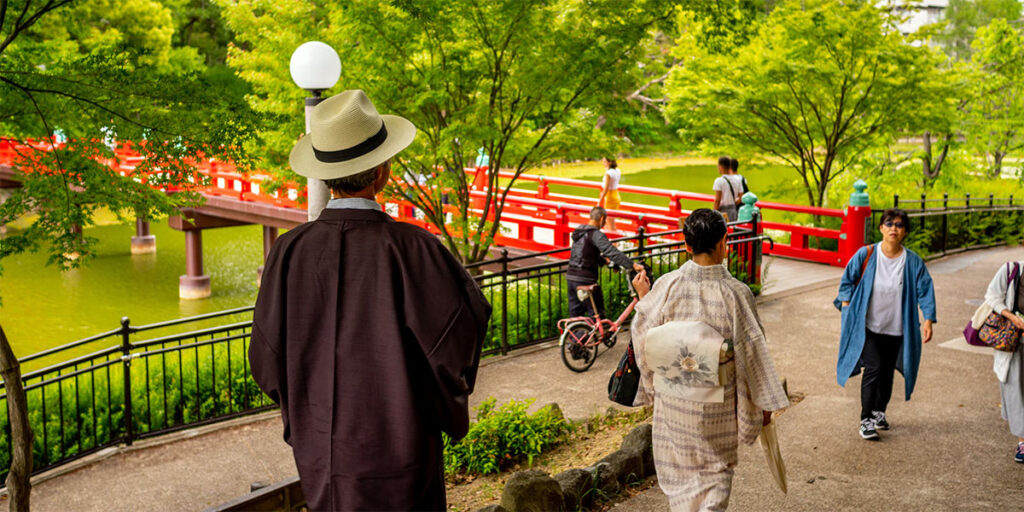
(576,354)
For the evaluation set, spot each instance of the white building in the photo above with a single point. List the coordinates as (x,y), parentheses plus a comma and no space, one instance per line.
(916,13)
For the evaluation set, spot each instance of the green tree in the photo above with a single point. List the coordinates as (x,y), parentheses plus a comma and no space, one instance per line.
(964,17)
(818,87)
(514,77)
(994,120)
(95,70)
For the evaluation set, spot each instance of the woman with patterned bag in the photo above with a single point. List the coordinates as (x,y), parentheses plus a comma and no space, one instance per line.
(1006,297)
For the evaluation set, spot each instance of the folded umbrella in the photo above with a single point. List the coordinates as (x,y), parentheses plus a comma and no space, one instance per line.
(770,443)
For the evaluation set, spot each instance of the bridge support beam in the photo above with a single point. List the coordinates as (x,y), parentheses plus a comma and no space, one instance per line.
(143,242)
(194,284)
(269,237)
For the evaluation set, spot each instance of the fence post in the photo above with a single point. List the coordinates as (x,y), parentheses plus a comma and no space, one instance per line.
(895,200)
(126,358)
(923,202)
(945,220)
(991,201)
(640,241)
(855,222)
(504,301)
(757,247)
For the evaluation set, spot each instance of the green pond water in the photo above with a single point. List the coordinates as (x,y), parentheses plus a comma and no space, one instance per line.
(43,307)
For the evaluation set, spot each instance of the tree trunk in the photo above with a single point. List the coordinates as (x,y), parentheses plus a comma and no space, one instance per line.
(931,171)
(18,484)
(997,163)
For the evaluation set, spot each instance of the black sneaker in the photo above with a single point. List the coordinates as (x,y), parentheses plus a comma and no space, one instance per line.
(880,422)
(867,429)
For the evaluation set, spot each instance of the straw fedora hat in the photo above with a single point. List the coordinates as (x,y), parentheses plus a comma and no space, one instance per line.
(347,136)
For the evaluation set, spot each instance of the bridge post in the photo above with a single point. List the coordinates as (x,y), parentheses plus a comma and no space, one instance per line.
(855,222)
(143,242)
(269,237)
(194,284)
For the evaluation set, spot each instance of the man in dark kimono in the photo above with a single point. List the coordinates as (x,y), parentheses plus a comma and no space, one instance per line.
(366,331)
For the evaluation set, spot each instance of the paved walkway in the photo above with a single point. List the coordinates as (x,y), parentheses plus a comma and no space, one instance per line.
(948,449)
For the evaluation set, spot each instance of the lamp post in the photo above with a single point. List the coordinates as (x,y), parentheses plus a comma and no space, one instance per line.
(315,67)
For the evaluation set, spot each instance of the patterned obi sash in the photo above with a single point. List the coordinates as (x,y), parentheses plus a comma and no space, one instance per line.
(687,359)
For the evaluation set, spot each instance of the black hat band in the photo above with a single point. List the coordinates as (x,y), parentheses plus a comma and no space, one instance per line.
(342,155)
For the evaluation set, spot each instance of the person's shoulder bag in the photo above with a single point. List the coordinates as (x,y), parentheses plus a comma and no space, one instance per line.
(623,385)
(998,331)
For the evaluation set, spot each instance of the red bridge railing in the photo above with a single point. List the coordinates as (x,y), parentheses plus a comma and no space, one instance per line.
(539,220)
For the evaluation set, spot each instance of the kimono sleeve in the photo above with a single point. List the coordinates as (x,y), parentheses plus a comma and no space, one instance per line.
(995,295)
(267,346)
(448,315)
(753,361)
(848,283)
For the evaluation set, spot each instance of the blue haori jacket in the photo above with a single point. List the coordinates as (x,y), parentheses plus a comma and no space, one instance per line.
(917,292)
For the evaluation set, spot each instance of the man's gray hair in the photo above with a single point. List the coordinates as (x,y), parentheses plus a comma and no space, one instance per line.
(354,183)
(598,213)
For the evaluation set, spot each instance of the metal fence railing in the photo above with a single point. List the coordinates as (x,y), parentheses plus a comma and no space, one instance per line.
(941,226)
(136,382)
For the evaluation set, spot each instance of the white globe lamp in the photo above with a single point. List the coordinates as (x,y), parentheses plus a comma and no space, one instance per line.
(315,67)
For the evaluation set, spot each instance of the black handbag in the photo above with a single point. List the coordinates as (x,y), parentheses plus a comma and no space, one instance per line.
(625,381)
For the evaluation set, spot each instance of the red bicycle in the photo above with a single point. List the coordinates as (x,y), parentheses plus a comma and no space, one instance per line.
(581,335)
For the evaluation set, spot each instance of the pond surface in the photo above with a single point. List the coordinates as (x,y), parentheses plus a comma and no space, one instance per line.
(43,307)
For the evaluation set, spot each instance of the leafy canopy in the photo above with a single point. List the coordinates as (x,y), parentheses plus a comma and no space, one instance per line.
(97,70)
(819,86)
(515,78)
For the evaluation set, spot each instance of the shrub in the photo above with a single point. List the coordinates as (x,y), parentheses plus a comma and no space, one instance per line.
(501,437)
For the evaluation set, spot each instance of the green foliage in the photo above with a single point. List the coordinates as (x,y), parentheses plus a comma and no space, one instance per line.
(962,19)
(816,87)
(512,77)
(504,436)
(170,389)
(98,70)
(995,112)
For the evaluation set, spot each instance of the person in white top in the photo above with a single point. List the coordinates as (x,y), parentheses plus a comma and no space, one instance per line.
(879,296)
(1007,299)
(609,198)
(728,188)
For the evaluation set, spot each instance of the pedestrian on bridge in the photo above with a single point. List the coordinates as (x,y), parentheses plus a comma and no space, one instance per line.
(1007,299)
(367,332)
(609,198)
(728,188)
(880,292)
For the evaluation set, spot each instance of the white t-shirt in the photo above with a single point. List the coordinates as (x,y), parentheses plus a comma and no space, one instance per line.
(885,309)
(614,177)
(728,196)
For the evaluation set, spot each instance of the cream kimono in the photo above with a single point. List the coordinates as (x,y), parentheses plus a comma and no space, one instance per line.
(695,442)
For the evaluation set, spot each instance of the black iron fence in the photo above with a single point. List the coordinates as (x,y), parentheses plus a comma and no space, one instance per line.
(941,226)
(136,382)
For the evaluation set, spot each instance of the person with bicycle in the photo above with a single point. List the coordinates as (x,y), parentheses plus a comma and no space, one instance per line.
(590,247)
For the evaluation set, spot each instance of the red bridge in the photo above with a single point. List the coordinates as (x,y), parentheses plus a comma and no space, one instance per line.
(532,220)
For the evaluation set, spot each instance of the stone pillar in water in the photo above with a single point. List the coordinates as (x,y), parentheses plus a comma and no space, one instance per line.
(194,284)
(143,242)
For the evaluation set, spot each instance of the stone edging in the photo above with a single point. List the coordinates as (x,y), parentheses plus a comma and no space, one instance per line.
(576,489)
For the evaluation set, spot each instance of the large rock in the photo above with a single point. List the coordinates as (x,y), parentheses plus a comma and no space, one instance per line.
(626,465)
(577,488)
(532,491)
(605,480)
(492,508)
(639,440)
(552,409)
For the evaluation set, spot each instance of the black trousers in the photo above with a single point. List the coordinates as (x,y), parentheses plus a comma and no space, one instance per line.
(879,358)
(577,308)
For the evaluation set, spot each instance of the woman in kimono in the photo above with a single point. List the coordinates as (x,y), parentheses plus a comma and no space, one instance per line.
(1007,299)
(696,438)
(879,295)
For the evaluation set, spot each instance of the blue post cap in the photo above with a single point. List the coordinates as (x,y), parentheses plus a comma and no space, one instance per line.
(860,197)
(748,209)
